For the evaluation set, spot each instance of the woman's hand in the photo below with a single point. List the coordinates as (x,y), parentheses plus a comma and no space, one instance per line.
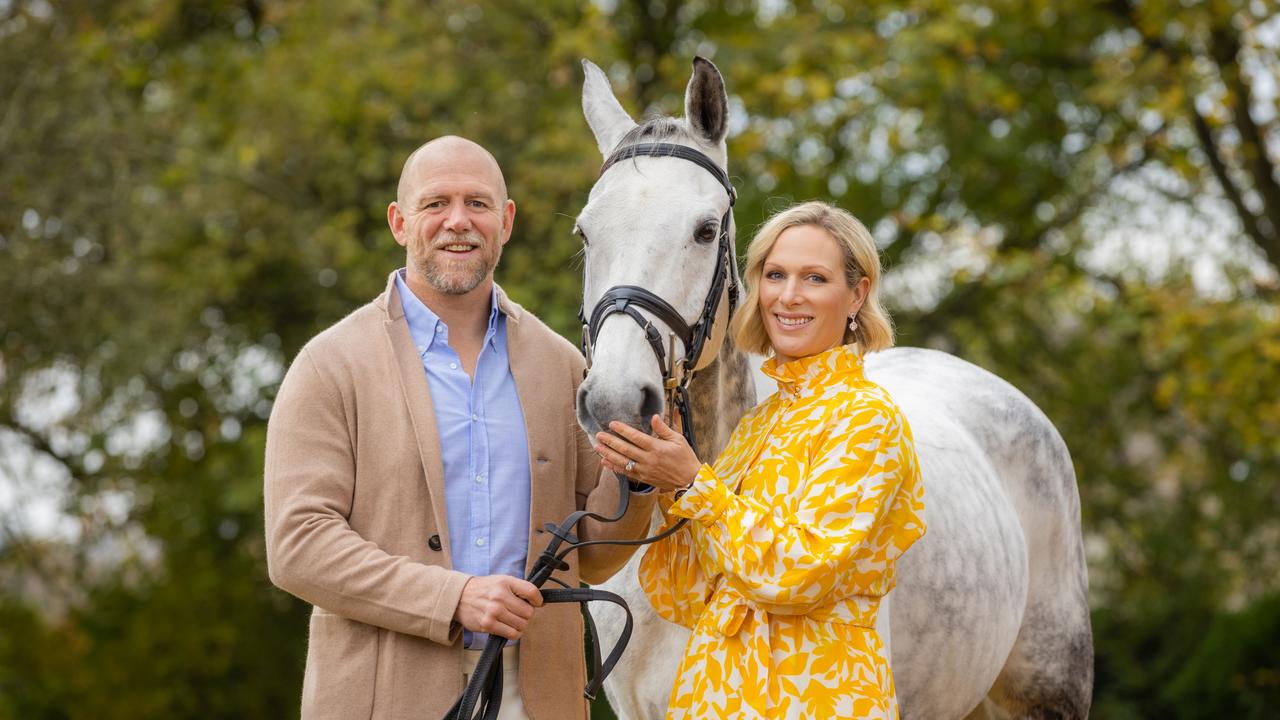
(663,460)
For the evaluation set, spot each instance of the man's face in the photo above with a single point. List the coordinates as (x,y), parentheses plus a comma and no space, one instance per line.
(454,219)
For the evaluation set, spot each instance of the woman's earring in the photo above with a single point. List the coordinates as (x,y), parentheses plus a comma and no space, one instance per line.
(853,322)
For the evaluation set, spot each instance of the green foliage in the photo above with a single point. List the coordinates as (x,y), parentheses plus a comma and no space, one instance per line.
(193,189)
(1236,669)
(1170,419)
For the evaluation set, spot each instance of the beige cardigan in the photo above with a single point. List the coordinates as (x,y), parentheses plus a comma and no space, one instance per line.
(354,495)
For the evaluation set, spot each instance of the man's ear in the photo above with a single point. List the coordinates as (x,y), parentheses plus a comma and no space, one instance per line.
(396,221)
(508,219)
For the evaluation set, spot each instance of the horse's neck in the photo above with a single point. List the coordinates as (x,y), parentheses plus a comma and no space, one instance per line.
(720,394)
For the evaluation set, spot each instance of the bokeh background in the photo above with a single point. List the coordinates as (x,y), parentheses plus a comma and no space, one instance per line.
(1082,197)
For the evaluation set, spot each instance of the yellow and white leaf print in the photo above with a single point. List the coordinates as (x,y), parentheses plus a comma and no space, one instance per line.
(796,530)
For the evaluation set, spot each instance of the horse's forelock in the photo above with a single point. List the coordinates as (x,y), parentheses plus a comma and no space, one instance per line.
(658,128)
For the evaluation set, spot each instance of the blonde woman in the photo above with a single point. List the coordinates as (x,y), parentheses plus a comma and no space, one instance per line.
(796,528)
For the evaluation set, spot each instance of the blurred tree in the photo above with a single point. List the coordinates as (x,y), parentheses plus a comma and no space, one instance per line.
(195,191)
(192,189)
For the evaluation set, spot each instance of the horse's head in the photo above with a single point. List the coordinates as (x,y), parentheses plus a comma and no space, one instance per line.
(653,222)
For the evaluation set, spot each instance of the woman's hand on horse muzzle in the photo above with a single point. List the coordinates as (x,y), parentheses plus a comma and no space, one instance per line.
(663,459)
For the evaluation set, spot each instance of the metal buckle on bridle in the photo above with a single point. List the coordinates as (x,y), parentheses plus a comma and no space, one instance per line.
(673,382)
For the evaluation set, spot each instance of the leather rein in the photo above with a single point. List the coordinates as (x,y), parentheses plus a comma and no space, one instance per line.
(482,698)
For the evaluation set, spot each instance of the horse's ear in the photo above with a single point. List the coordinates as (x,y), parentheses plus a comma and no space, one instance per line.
(608,121)
(706,107)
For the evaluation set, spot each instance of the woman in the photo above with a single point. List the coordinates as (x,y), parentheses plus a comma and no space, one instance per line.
(795,530)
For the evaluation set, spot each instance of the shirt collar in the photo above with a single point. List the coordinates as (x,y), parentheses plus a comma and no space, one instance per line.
(815,370)
(425,327)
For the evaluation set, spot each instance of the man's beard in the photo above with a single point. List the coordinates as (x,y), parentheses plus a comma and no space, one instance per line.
(452,276)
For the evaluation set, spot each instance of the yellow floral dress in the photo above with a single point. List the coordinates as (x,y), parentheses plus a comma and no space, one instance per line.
(792,542)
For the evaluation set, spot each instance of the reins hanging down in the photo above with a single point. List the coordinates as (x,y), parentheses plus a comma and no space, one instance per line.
(483,696)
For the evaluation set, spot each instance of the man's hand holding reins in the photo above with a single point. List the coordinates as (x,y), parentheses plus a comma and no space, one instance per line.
(498,605)
(663,460)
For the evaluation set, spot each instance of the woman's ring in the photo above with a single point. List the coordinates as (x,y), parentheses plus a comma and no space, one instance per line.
(631,465)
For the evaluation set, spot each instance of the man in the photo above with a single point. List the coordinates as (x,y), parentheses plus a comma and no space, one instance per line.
(414,453)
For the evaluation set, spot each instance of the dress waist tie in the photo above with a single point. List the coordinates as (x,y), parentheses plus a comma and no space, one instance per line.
(728,610)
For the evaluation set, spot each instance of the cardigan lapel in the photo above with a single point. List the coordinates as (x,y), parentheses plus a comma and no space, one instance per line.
(537,392)
(417,397)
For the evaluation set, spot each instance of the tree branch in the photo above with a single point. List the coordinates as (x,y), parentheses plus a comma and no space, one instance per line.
(1253,147)
(41,443)
(1205,135)
(1224,49)
(1082,200)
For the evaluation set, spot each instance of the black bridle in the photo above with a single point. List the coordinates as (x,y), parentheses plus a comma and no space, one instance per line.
(483,695)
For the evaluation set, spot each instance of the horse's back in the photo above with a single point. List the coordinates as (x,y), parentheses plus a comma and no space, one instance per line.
(1021,442)
(989,456)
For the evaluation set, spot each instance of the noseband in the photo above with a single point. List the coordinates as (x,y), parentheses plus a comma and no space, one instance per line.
(630,299)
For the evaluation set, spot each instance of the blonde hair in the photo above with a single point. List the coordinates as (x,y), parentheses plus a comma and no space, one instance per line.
(861,259)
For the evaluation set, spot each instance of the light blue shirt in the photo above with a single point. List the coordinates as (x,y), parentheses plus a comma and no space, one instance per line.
(483,444)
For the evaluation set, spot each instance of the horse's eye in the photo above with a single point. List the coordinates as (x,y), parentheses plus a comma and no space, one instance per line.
(577,230)
(705,233)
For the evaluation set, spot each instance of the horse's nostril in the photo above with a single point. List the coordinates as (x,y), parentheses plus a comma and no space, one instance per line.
(650,403)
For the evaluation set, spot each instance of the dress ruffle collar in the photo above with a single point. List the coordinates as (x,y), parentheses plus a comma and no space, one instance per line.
(814,370)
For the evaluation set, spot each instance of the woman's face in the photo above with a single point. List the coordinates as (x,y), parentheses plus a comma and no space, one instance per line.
(805,301)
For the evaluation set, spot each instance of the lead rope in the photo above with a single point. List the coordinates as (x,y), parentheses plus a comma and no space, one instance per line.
(483,696)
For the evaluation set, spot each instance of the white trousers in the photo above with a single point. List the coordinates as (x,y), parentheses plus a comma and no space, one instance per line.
(512,705)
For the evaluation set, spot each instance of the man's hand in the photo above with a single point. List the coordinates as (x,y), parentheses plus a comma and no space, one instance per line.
(498,605)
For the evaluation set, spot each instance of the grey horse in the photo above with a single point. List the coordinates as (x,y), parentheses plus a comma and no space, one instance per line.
(990,617)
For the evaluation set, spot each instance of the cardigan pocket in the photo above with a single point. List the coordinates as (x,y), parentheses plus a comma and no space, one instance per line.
(342,661)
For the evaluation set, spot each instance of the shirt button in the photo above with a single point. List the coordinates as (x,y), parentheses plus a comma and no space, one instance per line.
(480,479)
(439,329)
(475,417)
(479,542)
(453,366)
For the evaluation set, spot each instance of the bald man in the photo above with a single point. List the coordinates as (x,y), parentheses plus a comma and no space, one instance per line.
(414,453)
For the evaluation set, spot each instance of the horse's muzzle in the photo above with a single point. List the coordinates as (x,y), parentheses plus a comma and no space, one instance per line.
(599,406)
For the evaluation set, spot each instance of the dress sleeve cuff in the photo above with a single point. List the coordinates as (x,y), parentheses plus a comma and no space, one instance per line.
(705,500)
